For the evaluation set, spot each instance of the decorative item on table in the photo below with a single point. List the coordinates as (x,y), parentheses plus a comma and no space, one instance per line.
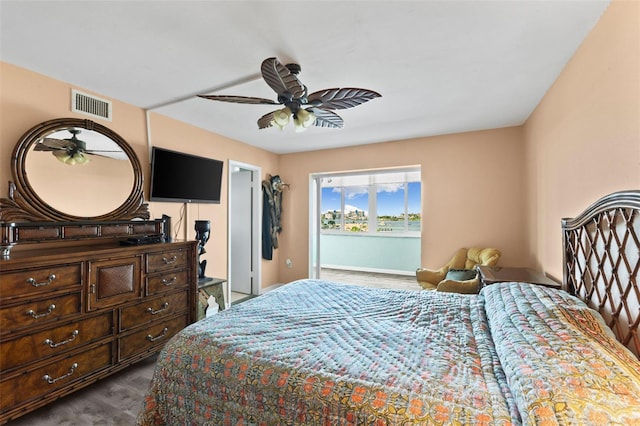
(203,231)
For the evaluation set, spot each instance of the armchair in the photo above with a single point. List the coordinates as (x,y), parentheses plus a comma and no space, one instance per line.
(456,275)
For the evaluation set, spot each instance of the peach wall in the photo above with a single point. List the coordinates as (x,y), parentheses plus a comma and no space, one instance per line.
(583,139)
(472,193)
(172,134)
(506,188)
(28,98)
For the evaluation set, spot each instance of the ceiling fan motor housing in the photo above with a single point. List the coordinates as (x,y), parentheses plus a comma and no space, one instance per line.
(294,68)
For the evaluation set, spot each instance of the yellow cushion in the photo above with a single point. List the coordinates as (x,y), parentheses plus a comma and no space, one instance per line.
(430,279)
(464,287)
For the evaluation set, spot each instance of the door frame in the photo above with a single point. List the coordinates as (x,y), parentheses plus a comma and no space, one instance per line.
(256,225)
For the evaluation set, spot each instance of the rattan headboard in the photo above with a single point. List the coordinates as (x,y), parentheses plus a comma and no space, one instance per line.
(602,262)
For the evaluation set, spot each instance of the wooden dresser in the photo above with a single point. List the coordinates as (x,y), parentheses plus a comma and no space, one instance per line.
(72,315)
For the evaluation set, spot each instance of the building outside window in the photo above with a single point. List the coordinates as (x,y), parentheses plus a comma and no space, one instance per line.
(373,203)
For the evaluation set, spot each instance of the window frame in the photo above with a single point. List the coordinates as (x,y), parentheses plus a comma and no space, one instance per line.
(372,218)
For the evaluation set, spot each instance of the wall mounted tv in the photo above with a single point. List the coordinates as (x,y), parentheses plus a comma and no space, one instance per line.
(184,178)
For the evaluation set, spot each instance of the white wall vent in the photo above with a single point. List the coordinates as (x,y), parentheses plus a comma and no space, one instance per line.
(90,105)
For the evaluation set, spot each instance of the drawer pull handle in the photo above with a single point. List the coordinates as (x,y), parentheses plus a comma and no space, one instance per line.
(34,315)
(169,261)
(51,381)
(49,342)
(170,281)
(160,336)
(40,284)
(165,305)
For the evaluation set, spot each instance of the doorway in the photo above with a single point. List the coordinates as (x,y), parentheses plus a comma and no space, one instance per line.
(244,278)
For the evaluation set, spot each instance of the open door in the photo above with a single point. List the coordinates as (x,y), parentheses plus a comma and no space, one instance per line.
(244,229)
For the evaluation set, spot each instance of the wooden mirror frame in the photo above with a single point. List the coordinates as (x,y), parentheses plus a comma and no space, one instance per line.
(24,204)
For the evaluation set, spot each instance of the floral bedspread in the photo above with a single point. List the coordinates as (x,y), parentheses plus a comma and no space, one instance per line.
(320,353)
(562,362)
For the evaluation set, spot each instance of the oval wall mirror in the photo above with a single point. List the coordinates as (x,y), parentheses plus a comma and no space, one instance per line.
(70,170)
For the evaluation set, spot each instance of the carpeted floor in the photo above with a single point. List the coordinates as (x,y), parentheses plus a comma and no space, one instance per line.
(114,401)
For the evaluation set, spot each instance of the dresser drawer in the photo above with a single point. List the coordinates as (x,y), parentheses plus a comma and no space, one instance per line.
(38,281)
(155,335)
(38,312)
(60,373)
(167,260)
(167,282)
(152,310)
(17,352)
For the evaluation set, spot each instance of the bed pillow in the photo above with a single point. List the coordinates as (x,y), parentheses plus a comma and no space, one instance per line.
(562,363)
(461,274)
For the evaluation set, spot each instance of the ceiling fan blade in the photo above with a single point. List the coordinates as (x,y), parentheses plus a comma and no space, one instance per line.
(240,99)
(344,98)
(115,155)
(105,154)
(50,144)
(266,120)
(280,79)
(326,118)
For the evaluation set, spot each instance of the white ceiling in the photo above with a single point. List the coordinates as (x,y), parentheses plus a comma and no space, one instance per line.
(441,66)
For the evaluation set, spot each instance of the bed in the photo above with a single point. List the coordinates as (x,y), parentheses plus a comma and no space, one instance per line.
(320,353)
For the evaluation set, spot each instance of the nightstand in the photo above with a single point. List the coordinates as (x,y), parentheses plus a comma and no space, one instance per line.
(210,287)
(491,275)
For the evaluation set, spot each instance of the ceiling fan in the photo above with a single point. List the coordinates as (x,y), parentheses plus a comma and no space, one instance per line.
(70,151)
(306,109)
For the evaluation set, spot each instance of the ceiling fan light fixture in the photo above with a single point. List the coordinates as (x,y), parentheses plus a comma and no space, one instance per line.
(81,158)
(71,159)
(303,119)
(281,117)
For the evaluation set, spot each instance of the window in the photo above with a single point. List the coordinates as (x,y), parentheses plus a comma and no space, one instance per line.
(380,202)
(356,207)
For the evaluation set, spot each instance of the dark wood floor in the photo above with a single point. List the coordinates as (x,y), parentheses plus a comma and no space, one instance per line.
(116,400)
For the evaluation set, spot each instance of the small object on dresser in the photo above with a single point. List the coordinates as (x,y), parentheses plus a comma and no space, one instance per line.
(146,239)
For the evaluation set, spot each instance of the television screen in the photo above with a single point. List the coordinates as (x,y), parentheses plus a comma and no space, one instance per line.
(184,178)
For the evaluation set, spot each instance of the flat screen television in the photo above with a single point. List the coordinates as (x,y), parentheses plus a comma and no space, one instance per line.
(184,178)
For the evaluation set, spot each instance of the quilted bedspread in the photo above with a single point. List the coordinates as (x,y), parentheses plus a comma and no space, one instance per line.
(320,353)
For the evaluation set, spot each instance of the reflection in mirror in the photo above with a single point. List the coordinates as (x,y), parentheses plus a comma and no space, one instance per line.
(80,172)
(69,169)
(69,148)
